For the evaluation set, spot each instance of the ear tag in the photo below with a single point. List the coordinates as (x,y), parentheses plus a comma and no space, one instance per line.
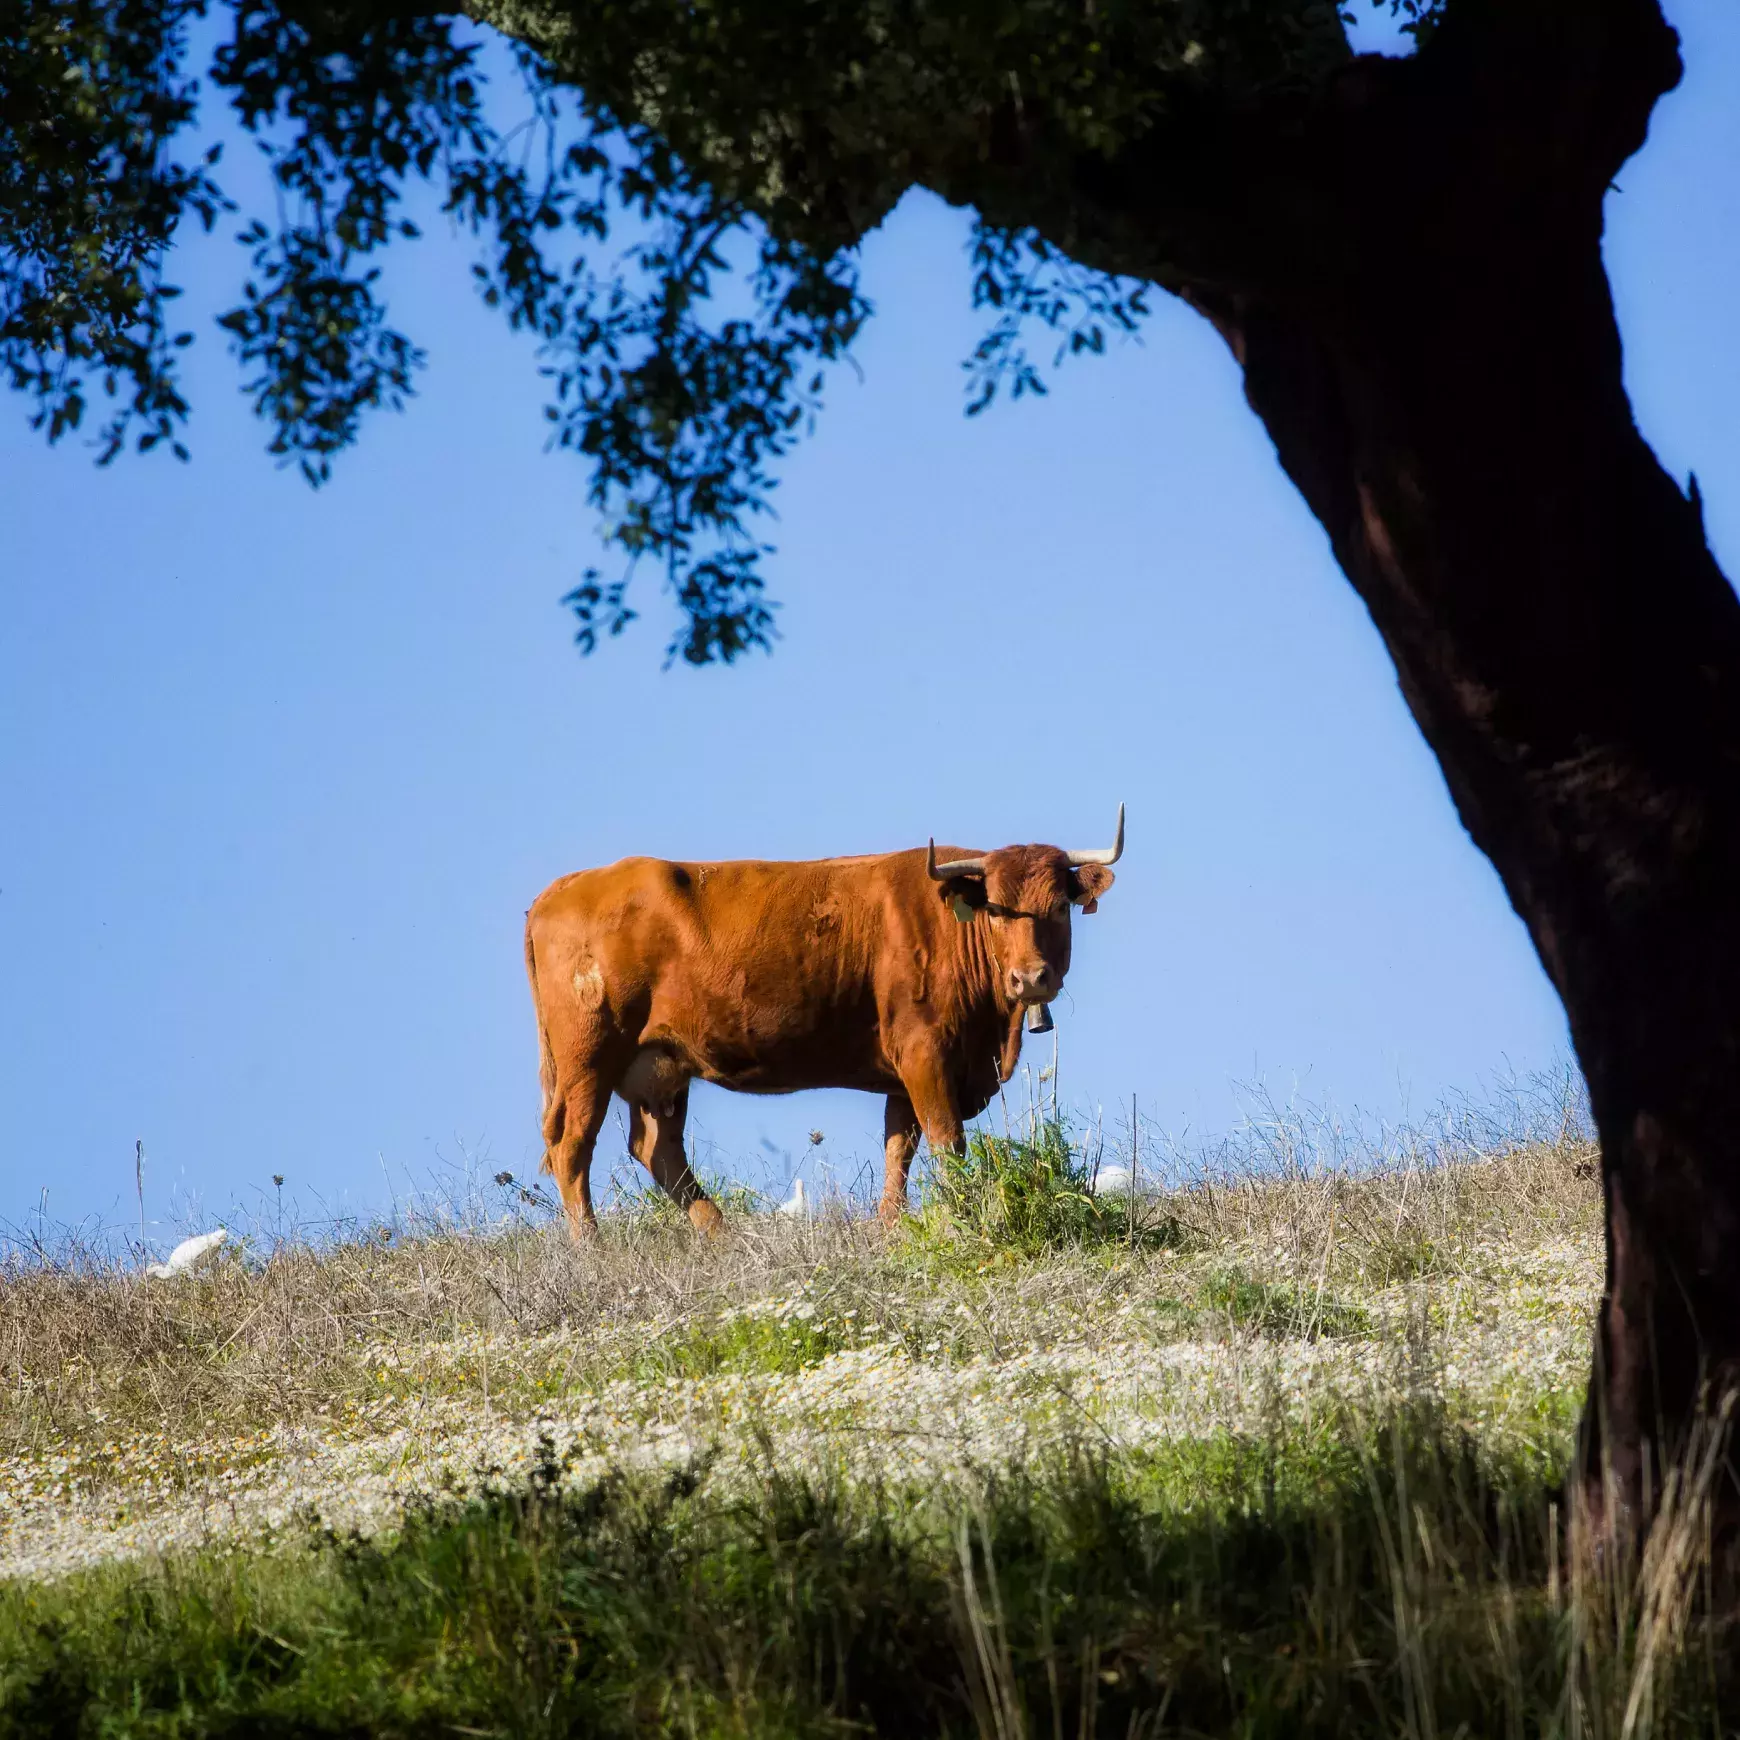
(963,913)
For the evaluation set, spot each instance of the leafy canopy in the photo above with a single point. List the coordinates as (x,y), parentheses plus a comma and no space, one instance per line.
(675,215)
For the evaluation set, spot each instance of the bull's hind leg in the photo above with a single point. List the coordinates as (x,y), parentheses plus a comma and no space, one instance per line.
(572,1119)
(899,1144)
(656,1139)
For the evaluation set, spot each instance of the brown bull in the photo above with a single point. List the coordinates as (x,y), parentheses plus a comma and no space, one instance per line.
(905,974)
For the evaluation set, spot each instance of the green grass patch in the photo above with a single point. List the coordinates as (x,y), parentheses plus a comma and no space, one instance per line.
(1394,1582)
(773,1339)
(1028,1196)
(1278,1308)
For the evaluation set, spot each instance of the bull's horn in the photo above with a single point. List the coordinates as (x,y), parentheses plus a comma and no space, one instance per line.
(955,867)
(1111,857)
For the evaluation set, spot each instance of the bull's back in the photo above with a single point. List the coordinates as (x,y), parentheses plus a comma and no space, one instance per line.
(761,975)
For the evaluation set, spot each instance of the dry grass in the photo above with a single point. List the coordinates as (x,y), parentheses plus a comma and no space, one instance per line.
(1304,1415)
(90,1352)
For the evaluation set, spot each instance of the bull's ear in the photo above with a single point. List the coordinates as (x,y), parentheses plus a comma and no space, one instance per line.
(1087,883)
(963,895)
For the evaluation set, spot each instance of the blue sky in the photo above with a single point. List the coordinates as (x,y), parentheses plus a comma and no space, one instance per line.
(280,770)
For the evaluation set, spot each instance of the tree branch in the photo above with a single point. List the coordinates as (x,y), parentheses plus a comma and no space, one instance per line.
(1301,193)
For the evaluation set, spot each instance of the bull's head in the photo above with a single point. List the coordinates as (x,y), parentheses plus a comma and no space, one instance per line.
(1023,895)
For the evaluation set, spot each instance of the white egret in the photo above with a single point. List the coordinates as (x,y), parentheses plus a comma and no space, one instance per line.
(189,1254)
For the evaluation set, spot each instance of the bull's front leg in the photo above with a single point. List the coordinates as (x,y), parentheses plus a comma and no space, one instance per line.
(900,1132)
(930,1101)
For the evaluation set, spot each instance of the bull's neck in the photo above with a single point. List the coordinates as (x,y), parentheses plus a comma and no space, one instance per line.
(981,980)
(980,1011)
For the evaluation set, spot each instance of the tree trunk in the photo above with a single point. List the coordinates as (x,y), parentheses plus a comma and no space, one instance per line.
(1571,651)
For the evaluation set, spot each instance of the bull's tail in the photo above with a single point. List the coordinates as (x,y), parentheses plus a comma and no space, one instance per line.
(551,1116)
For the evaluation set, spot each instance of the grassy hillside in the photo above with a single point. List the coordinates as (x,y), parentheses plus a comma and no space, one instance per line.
(1275,1453)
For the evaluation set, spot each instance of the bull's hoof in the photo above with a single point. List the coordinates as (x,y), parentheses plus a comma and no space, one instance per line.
(891,1213)
(706,1218)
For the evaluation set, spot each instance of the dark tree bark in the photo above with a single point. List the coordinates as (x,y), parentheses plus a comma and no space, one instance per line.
(1572,654)
(1442,381)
